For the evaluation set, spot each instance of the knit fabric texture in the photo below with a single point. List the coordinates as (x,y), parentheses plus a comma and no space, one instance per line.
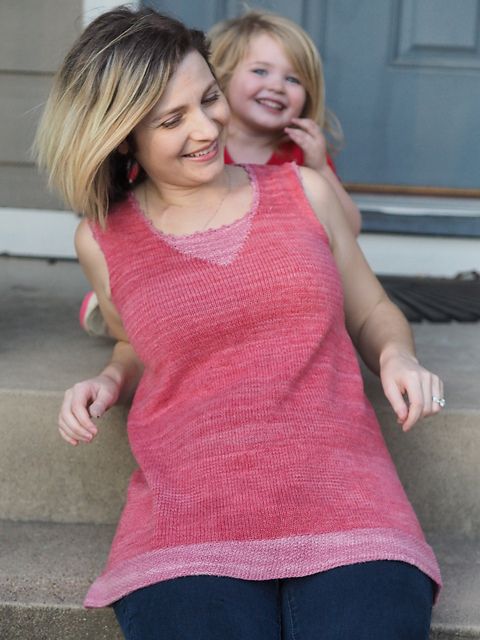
(258,454)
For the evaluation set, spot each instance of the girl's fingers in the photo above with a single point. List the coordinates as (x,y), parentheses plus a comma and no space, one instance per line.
(303,137)
(307,125)
(300,137)
(312,145)
(304,141)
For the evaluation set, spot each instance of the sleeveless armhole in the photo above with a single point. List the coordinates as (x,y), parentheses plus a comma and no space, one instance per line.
(306,205)
(94,228)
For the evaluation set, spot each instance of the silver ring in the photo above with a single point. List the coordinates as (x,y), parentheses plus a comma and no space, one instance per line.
(440,401)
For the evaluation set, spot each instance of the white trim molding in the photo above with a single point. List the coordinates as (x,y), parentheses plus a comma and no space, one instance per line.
(400,255)
(37,233)
(418,205)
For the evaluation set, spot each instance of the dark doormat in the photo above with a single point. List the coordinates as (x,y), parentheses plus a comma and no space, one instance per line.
(436,299)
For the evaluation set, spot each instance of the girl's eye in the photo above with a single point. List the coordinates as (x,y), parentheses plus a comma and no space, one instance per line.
(293,80)
(213,97)
(260,72)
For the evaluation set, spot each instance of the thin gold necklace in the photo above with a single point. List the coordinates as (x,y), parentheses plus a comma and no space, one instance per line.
(209,220)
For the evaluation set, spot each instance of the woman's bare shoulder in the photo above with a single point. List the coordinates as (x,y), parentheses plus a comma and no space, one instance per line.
(90,255)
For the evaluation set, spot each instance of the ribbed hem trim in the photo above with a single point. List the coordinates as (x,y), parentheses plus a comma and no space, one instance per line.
(290,557)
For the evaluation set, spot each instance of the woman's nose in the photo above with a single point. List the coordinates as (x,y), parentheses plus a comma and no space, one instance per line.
(204,126)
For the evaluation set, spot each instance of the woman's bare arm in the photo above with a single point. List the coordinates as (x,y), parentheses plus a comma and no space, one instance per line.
(117,382)
(378,329)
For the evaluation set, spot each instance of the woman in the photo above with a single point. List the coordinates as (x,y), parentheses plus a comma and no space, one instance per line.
(265,501)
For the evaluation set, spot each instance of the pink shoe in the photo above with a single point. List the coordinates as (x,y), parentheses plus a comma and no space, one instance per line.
(91,318)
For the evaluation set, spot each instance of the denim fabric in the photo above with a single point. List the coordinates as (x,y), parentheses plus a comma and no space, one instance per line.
(381,600)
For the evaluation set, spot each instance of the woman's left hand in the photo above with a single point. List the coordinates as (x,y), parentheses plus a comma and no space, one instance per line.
(309,137)
(413,392)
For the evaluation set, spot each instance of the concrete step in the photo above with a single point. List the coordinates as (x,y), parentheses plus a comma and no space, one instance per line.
(46,569)
(43,478)
(42,347)
(43,351)
(438,461)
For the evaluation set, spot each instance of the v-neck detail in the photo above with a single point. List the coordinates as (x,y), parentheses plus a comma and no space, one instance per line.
(218,245)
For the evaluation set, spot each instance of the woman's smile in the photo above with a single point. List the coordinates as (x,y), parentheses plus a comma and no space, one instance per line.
(205,154)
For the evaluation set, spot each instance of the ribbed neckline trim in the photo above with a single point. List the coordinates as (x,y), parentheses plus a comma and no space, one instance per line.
(172,239)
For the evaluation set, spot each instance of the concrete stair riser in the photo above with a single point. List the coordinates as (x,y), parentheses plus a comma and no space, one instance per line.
(48,479)
(438,462)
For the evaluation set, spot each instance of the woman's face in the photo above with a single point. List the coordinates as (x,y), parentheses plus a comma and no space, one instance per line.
(180,142)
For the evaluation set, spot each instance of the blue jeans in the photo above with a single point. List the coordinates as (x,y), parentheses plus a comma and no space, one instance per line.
(381,600)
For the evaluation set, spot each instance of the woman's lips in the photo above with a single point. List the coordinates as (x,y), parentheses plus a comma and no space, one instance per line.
(204,154)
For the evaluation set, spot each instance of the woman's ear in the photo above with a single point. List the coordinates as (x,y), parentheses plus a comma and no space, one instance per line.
(123,148)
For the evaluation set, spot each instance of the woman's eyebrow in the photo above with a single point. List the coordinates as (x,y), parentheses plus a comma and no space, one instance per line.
(181,107)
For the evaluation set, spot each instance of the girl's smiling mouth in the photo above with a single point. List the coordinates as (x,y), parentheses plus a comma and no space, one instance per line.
(270,103)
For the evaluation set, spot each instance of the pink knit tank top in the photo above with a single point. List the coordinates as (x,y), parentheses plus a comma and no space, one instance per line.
(258,454)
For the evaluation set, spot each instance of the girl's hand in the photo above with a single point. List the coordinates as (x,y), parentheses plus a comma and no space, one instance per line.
(410,389)
(309,137)
(87,399)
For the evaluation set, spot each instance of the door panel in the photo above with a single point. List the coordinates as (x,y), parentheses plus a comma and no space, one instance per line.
(404,78)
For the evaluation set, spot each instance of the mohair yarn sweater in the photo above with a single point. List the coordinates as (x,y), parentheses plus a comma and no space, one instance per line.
(259,456)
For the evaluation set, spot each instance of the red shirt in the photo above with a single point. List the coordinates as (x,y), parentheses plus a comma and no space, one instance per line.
(287,152)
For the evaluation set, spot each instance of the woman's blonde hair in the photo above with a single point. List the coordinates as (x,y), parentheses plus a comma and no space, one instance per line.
(229,42)
(112,77)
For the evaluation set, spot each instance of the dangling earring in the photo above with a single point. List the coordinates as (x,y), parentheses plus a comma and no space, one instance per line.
(133,169)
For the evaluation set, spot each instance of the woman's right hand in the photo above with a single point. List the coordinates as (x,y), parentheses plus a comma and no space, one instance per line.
(86,400)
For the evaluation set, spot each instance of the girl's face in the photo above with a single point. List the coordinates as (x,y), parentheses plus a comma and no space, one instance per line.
(180,142)
(265,91)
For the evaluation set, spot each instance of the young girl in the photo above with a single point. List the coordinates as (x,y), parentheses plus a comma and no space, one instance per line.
(272,76)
